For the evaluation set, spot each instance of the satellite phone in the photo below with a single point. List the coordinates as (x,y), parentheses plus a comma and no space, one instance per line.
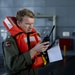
(45,39)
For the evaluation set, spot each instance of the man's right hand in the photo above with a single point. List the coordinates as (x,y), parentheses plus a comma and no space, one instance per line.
(40,47)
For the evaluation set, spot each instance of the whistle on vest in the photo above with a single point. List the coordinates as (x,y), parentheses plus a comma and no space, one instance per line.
(45,62)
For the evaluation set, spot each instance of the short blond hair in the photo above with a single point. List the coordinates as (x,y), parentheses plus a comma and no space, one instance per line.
(24,12)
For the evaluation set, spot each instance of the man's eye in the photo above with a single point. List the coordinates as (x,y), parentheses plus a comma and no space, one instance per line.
(27,23)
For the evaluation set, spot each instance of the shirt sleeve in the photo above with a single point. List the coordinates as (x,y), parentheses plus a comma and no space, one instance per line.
(14,60)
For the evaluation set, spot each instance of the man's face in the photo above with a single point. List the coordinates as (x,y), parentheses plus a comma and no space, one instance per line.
(27,24)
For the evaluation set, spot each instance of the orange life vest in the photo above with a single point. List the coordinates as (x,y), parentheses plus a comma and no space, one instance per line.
(10,24)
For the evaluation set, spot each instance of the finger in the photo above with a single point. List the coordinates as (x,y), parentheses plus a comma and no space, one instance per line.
(45,43)
(46,46)
(44,49)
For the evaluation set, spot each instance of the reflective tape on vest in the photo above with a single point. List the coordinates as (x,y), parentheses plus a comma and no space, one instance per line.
(9,25)
(32,38)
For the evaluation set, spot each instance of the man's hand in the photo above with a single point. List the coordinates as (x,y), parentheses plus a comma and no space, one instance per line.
(40,47)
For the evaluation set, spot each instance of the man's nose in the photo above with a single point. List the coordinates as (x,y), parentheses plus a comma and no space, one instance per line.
(31,26)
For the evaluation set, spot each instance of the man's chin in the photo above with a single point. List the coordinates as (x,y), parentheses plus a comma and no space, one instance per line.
(29,31)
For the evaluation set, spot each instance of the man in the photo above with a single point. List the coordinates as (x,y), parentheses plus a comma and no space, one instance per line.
(17,61)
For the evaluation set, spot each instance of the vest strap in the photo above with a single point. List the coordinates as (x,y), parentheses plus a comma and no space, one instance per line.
(28,41)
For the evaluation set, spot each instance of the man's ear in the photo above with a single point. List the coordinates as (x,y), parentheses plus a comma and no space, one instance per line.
(18,23)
